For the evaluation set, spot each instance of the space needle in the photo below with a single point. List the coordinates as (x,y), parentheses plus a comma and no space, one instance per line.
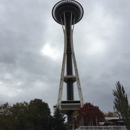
(67,13)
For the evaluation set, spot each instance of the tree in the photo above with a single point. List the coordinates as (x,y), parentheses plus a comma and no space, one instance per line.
(19,116)
(39,114)
(89,115)
(34,115)
(58,120)
(14,117)
(121,104)
(5,118)
(111,114)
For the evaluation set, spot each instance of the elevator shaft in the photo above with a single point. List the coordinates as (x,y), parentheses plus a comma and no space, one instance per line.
(69,66)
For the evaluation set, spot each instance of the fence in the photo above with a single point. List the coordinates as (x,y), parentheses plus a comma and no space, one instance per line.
(101,128)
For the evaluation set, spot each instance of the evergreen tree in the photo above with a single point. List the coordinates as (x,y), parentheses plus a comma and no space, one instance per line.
(121,104)
(58,120)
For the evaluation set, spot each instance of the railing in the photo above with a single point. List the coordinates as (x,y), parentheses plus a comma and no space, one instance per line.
(101,128)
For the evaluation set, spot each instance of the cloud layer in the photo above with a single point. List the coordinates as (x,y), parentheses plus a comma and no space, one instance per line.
(31,48)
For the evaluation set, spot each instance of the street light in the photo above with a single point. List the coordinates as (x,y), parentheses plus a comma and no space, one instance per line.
(96,121)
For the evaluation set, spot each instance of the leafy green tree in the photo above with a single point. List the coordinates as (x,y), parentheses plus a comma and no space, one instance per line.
(121,104)
(5,118)
(111,114)
(59,120)
(19,116)
(34,115)
(39,114)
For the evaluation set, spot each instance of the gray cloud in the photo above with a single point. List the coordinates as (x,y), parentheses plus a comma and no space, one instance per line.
(29,70)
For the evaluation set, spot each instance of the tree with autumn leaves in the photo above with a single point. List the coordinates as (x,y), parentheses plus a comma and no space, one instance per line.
(88,115)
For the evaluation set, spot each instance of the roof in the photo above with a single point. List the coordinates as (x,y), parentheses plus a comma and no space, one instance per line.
(112,118)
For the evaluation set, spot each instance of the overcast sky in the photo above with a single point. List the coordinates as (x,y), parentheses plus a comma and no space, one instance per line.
(31,49)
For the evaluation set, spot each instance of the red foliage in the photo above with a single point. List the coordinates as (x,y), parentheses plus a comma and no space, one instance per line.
(89,115)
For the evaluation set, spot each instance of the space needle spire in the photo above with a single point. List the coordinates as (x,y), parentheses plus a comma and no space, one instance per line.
(68,13)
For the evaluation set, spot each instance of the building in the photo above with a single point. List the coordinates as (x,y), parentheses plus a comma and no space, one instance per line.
(67,13)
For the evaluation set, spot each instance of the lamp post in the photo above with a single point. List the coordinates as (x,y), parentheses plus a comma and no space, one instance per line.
(96,121)
(82,121)
(92,122)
